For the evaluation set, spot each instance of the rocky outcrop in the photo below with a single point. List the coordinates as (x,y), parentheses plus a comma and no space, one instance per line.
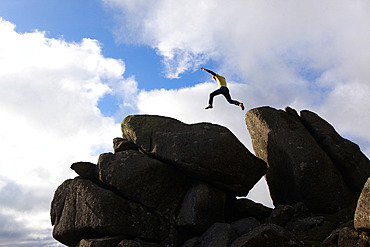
(173,184)
(204,151)
(166,182)
(307,159)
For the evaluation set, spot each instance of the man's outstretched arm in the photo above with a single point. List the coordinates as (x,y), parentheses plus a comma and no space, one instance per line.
(209,71)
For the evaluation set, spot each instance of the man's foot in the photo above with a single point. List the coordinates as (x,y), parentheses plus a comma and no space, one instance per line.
(242,106)
(209,107)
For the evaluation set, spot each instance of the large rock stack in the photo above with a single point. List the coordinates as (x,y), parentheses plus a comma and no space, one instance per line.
(166,182)
(172,184)
(308,161)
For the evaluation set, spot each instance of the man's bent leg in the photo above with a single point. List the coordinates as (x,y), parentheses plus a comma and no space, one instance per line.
(212,95)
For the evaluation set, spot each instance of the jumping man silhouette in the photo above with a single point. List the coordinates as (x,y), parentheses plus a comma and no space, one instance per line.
(222,90)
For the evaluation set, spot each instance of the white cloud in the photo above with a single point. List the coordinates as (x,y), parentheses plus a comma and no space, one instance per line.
(248,34)
(49,92)
(352,116)
(24,217)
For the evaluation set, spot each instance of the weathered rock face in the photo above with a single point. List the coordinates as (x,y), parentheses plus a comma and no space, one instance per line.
(203,151)
(267,235)
(142,179)
(120,144)
(171,184)
(346,237)
(298,168)
(203,205)
(102,242)
(219,234)
(362,215)
(244,226)
(81,209)
(353,165)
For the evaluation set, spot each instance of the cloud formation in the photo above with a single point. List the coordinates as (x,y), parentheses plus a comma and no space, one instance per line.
(22,214)
(263,35)
(49,93)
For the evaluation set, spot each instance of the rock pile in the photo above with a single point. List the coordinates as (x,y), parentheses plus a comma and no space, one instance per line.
(173,184)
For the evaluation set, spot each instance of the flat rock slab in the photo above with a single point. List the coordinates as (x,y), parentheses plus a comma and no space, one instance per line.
(86,170)
(203,151)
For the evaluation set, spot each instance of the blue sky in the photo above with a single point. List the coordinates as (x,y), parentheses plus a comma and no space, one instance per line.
(72,70)
(74,20)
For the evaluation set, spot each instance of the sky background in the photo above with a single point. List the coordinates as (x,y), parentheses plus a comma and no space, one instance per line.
(71,70)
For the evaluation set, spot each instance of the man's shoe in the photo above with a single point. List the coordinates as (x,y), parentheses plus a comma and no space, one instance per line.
(242,106)
(209,107)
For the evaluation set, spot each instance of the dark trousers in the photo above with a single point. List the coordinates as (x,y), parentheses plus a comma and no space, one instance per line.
(225,92)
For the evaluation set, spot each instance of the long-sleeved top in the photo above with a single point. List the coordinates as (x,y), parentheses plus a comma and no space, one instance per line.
(220,79)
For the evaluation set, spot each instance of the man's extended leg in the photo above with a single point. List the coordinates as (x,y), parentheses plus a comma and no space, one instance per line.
(211,96)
